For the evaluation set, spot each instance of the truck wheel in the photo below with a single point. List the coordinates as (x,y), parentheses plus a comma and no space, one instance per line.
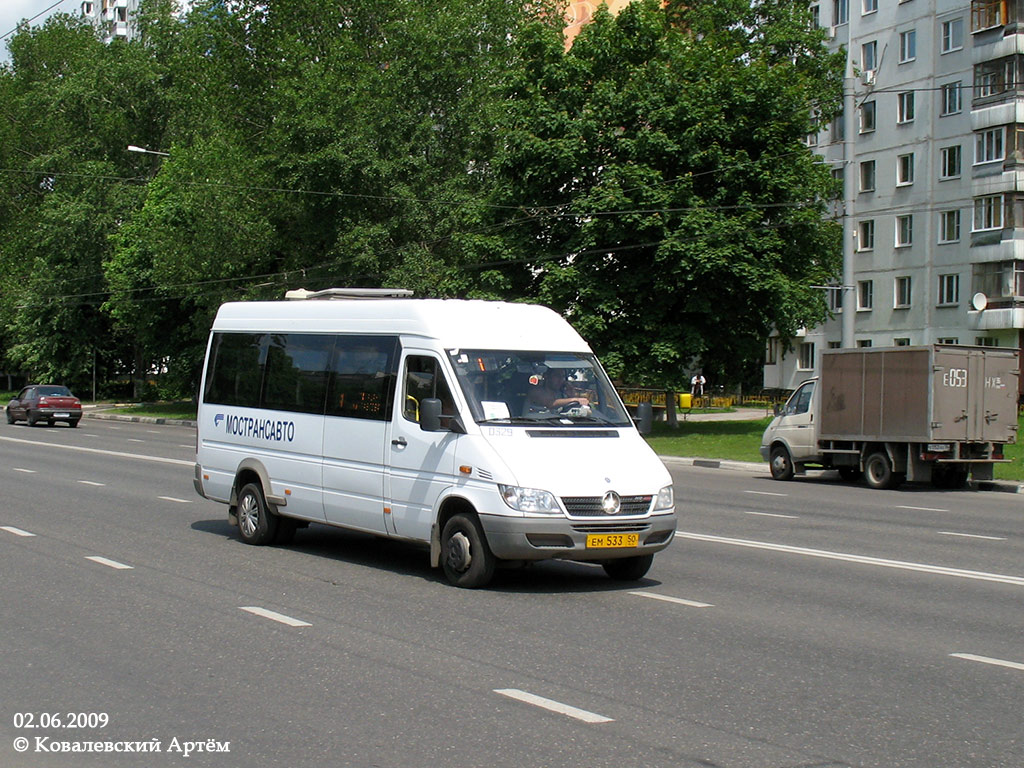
(878,471)
(256,523)
(781,463)
(628,568)
(467,560)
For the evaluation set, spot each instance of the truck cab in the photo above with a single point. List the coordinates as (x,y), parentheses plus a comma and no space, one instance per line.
(789,439)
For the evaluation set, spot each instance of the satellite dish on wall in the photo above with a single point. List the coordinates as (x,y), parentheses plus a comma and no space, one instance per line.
(979,301)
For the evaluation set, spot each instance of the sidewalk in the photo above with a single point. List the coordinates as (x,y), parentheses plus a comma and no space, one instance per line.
(740,414)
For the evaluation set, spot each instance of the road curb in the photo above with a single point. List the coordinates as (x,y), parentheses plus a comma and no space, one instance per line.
(991,486)
(139,419)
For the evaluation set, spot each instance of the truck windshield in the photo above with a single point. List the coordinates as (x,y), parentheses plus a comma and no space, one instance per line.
(553,388)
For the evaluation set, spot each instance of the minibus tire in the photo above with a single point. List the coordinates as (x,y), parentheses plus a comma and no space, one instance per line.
(462,539)
(628,568)
(256,523)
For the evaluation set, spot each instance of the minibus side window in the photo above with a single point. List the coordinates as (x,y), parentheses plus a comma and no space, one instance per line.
(295,378)
(423,379)
(362,377)
(236,369)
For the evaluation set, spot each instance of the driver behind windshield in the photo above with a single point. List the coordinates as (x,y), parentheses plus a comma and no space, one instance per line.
(552,392)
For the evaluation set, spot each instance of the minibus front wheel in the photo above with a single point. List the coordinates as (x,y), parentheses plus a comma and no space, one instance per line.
(465,556)
(256,523)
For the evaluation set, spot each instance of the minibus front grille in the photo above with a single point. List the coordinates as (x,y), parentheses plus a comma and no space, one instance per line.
(572,433)
(612,528)
(590,506)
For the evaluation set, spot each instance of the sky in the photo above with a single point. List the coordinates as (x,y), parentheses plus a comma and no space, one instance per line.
(13,11)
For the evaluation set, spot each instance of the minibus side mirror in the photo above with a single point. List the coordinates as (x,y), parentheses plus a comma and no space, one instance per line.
(645,418)
(431,418)
(777,409)
(430,414)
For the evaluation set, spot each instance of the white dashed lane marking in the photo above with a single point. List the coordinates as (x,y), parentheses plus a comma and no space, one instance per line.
(110,563)
(553,706)
(274,616)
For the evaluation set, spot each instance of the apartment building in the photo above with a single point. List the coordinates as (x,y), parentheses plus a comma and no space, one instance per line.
(114,18)
(934,212)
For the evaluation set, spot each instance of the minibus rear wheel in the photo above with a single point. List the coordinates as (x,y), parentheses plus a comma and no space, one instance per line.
(628,568)
(256,523)
(465,556)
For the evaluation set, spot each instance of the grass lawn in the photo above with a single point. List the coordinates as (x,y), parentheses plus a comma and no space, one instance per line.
(734,440)
(740,441)
(182,410)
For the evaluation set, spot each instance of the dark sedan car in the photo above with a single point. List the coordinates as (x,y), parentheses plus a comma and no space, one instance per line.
(45,402)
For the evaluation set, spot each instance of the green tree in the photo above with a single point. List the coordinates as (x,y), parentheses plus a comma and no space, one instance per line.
(314,145)
(669,206)
(70,105)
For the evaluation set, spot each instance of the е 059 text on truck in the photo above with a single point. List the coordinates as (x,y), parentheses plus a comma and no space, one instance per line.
(933,413)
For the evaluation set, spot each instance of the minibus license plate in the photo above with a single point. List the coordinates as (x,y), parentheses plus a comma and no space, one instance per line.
(612,540)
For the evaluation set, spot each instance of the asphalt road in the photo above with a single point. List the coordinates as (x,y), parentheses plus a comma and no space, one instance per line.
(809,623)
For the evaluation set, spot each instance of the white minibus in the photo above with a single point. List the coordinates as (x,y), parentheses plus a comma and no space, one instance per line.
(487,431)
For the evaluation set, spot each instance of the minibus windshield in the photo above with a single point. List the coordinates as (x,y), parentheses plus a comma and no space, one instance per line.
(550,388)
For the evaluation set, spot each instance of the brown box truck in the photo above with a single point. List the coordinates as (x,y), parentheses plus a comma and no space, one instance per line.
(936,413)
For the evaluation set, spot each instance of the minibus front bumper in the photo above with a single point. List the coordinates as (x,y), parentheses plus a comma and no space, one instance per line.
(542,538)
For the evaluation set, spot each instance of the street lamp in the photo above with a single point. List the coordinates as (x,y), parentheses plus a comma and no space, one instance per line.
(144,151)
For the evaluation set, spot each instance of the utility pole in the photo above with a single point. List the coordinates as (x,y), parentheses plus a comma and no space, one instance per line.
(848,289)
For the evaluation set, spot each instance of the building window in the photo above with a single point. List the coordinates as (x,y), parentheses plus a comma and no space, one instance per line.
(986,14)
(986,341)
(948,340)
(865,295)
(837,130)
(949,162)
(867,117)
(840,11)
(988,146)
(870,6)
(771,352)
(901,292)
(835,298)
(905,169)
(992,77)
(1002,282)
(806,359)
(951,98)
(988,213)
(863,343)
(949,226)
(902,342)
(949,289)
(867,176)
(866,235)
(835,345)
(952,35)
(904,231)
(908,46)
(869,56)
(905,107)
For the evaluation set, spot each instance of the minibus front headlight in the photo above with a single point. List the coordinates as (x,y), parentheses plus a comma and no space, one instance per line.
(666,499)
(529,500)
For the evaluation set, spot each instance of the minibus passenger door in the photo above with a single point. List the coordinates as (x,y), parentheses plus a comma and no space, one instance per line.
(421,463)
